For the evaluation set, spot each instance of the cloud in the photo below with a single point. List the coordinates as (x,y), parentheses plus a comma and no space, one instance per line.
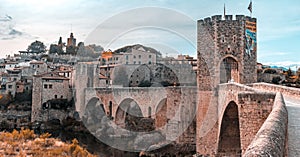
(8,31)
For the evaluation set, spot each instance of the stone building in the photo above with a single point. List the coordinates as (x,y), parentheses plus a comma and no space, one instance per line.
(50,90)
(227,52)
(2,68)
(11,64)
(38,67)
(136,55)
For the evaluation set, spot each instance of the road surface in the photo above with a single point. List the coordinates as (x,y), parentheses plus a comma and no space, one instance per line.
(293,107)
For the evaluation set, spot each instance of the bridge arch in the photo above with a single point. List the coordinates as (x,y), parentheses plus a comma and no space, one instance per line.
(229,143)
(161,113)
(229,69)
(128,113)
(94,111)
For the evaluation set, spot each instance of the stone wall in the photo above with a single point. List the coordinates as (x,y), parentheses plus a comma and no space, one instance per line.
(254,109)
(85,76)
(286,91)
(272,136)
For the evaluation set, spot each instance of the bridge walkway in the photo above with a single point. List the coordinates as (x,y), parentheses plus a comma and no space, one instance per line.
(293,107)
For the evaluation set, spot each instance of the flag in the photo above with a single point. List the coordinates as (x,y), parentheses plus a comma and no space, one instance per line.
(250,7)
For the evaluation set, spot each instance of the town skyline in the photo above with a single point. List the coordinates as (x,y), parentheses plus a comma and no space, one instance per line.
(31,20)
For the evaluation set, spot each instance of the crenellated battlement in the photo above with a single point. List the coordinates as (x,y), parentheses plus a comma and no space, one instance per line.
(218,18)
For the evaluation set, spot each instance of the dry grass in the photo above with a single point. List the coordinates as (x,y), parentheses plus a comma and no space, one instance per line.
(25,143)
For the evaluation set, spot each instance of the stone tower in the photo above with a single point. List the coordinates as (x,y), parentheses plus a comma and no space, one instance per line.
(227,52)
(71,40)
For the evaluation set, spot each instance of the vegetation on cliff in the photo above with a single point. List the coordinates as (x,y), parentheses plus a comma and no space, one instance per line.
(25,143)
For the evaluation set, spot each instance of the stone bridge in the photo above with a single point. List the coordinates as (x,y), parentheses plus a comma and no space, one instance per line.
(229,117)
(172,108)
(225,122)
(292,100)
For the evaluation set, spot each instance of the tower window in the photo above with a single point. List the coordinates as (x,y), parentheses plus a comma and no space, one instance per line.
(223,39)
(234,39)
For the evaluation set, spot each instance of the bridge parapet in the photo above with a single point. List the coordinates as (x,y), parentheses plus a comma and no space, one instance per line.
(286,91)
(272,136)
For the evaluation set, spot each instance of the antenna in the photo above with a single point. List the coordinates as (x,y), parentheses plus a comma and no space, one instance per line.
(71,28)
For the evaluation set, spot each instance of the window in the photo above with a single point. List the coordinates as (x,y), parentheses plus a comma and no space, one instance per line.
(134,62)
(61,96)
(150,56)
(126,62)
(149,62)
(10,86)
(117,58)
(223,39)
(55,96)
(45,86)
(50,86)
(38,66)
(140,56)
(126,57)
(134,57)
(18,86)
(139,62)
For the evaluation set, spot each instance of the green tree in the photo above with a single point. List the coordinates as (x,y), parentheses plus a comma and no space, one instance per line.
(36,47)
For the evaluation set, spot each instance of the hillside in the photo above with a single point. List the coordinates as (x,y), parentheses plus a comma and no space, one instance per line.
(26,143)
(136,46)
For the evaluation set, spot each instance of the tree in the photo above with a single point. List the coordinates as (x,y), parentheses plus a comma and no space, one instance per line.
(55,49)
(36,47)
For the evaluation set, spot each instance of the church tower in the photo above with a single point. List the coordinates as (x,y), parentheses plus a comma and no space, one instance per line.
(71,40)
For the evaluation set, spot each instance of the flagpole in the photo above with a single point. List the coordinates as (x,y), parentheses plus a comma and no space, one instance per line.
(251,8)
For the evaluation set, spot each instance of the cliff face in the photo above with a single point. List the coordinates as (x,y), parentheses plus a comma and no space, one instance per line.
(26,143)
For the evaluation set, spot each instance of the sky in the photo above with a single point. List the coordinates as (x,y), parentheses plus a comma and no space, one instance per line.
(167,25)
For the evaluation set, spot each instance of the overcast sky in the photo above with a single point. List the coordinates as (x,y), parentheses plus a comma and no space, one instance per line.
(170,28)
